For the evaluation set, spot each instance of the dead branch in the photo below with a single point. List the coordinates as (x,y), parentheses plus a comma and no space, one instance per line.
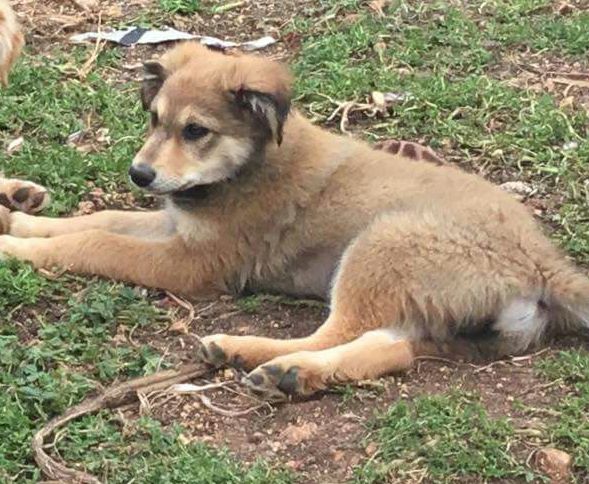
(206,401)
(111,398)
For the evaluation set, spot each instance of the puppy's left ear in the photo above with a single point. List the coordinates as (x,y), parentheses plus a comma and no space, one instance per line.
(271,110)
(154,75)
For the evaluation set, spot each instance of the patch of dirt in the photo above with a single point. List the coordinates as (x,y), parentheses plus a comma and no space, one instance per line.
(567,81)
(323,439)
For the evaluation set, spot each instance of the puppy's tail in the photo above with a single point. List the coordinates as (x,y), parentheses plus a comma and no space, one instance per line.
(560,307)
(567,300)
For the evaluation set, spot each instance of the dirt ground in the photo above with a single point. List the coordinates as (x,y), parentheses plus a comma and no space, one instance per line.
(324,438)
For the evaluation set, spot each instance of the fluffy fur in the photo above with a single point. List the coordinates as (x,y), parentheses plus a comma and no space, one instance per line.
(11,40)
(416,257)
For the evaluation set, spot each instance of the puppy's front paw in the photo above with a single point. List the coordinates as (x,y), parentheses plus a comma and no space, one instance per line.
(210,351)
(297,374)
(23,196)
(220,350)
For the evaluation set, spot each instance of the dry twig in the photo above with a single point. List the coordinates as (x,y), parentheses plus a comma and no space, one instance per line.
(98,46)
(111,398)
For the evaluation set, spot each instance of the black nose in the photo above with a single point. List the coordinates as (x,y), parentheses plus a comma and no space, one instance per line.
(142,175)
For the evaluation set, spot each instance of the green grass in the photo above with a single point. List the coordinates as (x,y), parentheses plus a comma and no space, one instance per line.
(254,303)
(154,455)
(453,64)
(20,285)
(445,437)
(50,359)
(570,430)
(56,337)
(440,58)
(46,102)
(182,7)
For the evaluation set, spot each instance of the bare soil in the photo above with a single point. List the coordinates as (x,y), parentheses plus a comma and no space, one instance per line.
(324,438)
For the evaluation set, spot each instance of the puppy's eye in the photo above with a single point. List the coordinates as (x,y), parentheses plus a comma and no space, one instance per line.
(154,119)
(192,132)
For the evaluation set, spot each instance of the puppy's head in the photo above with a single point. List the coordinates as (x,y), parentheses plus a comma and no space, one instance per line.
(211,114)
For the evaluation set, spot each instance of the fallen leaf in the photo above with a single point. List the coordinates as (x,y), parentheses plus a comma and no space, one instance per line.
(102,136)
(555,463)
(178,327)
(378,6)
(379,100)
(567,102)
(371,449)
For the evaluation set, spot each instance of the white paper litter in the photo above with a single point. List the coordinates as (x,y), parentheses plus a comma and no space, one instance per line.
(136,35)
(571,145)
(190,388)
(15,145)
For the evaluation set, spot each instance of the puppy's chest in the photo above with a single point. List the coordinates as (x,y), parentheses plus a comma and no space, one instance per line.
(308,274)
(192,227)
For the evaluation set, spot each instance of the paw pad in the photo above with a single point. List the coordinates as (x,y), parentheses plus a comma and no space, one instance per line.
(273,382)
(23,196)
(211,353)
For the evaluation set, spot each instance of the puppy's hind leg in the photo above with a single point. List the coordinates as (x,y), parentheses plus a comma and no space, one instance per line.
(404,288)
(372,355)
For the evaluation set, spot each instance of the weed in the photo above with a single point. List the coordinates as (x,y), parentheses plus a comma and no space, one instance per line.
(151,454)
(181,7)
(446,437)
(570,430)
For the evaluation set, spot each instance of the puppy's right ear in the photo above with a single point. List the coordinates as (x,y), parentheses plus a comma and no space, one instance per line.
(154,75)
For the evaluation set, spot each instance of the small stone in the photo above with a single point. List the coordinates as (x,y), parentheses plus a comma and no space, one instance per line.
(275,446)
(517,188)
(337,455)
(295,434)
(371,449)
(256,437)
(555,463)
(295,465)
(183,439)
(565,8)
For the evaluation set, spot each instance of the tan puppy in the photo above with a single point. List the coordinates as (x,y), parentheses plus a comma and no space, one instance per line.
(11,40)
(415,257)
